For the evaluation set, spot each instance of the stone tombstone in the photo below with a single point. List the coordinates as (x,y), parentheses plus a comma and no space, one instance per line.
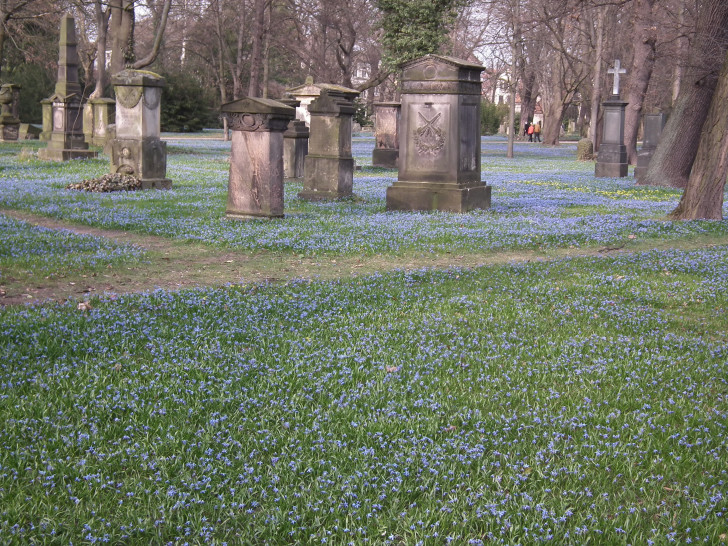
(386,134)
(9,122)
(98,114)
(295,144)
(66,140)
(28,132)
(652,129)
(47,108)
(612,156)
(137,148)
(329,165)
(309,91)
(255,189)
(439,138)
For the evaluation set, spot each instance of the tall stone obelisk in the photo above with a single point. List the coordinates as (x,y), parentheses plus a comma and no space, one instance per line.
(67,139)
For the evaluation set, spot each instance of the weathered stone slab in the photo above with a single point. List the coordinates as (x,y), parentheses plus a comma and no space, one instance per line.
(386,134)
(439,138)
(98,114)
(255,187)
(652,129)
(295,144)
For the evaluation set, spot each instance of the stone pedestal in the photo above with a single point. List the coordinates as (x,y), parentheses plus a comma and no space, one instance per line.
(329,166)
(66,110)
(308,92)
(386,134)
(137,148)
(295,145)
(255,189)
(9,122)
(612,156)
(439,139)
(652,128)
(98,114)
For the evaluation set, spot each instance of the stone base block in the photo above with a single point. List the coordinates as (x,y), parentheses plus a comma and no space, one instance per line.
(28,132)
(52,154)
(9,131)
(383,157)
(408,196)
(327,178)
(610,170)
(156,184)
(232,215)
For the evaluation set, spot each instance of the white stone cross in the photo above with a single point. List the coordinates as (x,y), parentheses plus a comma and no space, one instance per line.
(617,70)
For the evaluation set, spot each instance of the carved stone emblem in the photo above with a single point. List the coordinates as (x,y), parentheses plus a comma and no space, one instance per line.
(129,96)
(429,139)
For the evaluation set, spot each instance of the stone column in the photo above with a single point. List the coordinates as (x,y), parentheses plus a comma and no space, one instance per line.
(47,108)
(386,134)
(329,166)
(652,125)
(98,114)
(439,139)
(612,156)
(9,122)
(255,188)
(137,148)
(66,139)
(295,144)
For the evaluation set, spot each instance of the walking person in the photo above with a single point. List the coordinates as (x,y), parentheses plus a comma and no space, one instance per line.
(530,133)
(537,132)
(526,127)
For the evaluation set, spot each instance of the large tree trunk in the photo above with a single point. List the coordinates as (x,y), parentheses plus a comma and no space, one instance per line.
(553,114)
(256,55)
(102,23)
(645,37)
(703,196)
(596,97)
(121,33)
(674,156)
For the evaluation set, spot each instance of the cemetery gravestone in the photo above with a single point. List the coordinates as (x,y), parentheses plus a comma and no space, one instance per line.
(612,156)
(255,189)
(309,91)
(47,108)
(653,125)
(329,165)
(295,144)
(98,114)
(9,122)
(386,134)
(137,148)
(64,107)
(439,139)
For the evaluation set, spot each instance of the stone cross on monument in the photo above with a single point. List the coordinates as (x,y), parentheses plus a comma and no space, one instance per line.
(617,70)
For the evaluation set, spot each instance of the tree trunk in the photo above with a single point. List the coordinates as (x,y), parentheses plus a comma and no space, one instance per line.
(256,55)
(3,37)
(159,34)
(553,117)
(674,156)
(121,32)
(645,37)
(513,83)
(703,196)
(596,97)
(102,23)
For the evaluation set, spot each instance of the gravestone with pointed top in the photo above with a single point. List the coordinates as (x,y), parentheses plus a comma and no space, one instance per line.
(66,140)
(652,128)
(328,171)
(386,134)
(439,138)
(255,188)
(612,156)
(137,148)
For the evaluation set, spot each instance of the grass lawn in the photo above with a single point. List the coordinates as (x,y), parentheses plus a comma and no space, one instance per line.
(571,399)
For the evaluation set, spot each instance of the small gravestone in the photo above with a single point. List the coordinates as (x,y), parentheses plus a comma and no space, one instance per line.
(295,144)
(98,114)
(28,132)
(47,108)
(612,156)
(439,139)
(66,109)
(255,189)
(137,148)
(585,150)
(9,122)
(329,165)
(386,134)
(653,125)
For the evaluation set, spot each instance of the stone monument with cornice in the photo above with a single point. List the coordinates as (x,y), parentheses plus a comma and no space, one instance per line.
(612,156)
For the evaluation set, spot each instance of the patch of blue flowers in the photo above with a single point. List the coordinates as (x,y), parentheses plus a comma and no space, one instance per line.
(576,401)
(541,199)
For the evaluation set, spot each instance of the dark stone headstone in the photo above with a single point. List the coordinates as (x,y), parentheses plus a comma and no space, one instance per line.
(653,125)
(439,139)
(9,122)
(612,156)
(295,144)
(255,189)
(386,134)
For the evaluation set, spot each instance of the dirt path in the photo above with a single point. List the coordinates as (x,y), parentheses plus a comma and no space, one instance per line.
(175,265)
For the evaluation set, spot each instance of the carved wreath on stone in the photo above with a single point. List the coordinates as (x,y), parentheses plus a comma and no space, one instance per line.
(129,97)
(429,139)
